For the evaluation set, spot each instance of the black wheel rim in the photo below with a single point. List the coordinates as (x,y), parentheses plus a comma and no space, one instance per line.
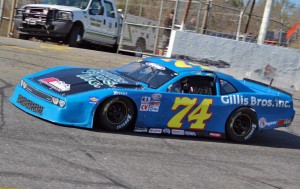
(116,112)
(241,125)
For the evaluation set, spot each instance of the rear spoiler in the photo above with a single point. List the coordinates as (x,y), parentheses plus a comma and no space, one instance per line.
(275,88)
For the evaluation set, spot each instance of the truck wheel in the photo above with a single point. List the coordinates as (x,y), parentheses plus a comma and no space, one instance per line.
(75,36)
(23,36)
(241,125)
(115,114)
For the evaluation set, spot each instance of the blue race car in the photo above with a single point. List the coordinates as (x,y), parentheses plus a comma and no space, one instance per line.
(154,95)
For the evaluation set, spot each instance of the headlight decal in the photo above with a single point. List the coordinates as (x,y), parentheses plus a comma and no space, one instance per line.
(62,103)
(56,101)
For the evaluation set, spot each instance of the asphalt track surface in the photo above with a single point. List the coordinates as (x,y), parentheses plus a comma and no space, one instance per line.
(36,154)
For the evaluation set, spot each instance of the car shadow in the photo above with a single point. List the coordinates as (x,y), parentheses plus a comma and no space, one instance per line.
(272,138)
(275,139)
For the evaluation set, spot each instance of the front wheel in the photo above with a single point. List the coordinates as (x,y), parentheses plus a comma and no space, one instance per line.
(24,36)
(116,113)
(140,47)
(241,125)
(75,36)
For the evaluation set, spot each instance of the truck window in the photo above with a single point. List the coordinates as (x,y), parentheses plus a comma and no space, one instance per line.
(94,8)
(109,9)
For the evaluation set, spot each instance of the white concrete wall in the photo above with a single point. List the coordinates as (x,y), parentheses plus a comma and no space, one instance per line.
(244,57)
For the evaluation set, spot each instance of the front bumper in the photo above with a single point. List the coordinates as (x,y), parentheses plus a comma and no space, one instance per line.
(38,28)
(75,113)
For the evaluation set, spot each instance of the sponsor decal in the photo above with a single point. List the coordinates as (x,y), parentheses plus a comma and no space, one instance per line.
(177,132)
(251,132)
(146,100)
(98,78)
(190,133)
(286,122)
(154,106)
(144,107)
(155,131)
(209,134)
(254,101)
(156,66)
(120,93)
(281,103)
(215,135)
(56,84)
(262,123)
(156,96)
(202,133)
(167,131)
(93,100)
(140,130)
(280,123)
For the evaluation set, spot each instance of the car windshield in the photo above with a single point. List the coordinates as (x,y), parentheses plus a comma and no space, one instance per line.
(152,74)
(74,3)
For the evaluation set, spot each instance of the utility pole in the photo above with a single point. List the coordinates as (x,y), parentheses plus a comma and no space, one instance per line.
(11,18)
(249,18)
(185,14)
(205,18)
(240,21)
(265,22)
(1,11)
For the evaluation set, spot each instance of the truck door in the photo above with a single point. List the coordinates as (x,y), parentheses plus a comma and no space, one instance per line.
(95,31)
(111,21)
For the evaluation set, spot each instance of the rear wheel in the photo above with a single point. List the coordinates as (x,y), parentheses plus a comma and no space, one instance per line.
(241,125)
(75,36)
(140,47)
(116,113)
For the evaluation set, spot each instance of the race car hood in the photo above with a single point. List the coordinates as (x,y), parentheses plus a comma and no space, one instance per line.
(77,80)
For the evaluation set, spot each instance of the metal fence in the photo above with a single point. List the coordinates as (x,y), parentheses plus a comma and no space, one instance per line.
(198,16)
(144,22)
(5,14)
(7,11)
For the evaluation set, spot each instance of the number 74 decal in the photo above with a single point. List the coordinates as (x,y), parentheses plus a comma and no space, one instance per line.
(199,114)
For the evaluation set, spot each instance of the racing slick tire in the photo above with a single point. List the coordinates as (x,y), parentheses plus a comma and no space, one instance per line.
(75,36)
(140,47)
(116,114)
(241,125)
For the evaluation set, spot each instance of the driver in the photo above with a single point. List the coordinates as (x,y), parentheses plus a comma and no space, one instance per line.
(186,87)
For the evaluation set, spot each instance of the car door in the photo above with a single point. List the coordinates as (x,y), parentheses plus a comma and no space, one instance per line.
(187,106)
(95,30)
(110,22)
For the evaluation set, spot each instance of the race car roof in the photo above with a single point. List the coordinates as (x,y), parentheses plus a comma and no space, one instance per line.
(178,65)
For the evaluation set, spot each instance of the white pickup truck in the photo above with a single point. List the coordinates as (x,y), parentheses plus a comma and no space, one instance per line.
(74,21)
